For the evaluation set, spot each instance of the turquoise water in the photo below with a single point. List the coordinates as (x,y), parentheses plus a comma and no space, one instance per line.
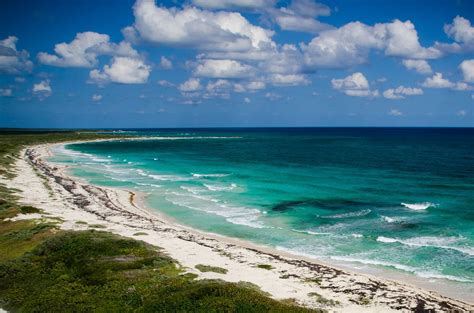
(400,199)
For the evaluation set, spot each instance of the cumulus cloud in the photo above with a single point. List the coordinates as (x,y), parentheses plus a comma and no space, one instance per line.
(96,98)
(234,4)
(191,85)
(467,68)
(350,44)
(461,113)
(123,70)
(355,85)
(192,27)
(401,91)
(6,92)
(247,100)
(84,49)
(437,81)
(13,61)
(165,83)
(289,79)
(301,15)
(166,63)
(420,66)
(461,31)
(223,69)
(42,89)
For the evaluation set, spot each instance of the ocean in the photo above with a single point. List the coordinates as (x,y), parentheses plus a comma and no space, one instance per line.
(400,199)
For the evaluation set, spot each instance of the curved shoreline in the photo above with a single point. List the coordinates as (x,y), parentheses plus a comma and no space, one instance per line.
(292,276)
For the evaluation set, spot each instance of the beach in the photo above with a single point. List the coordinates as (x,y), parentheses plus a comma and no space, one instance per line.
(81,206)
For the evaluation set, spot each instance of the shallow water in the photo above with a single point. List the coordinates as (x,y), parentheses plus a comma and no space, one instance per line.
(400,199)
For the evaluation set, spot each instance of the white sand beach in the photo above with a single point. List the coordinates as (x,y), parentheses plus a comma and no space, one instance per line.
(82,206)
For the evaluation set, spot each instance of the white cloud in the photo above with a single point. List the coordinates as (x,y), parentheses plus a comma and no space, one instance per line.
(247,100)
(463,34)
(420,66)
(256,85)
(165,83)
(401,91)
(13,61)
(43,89)
(289,79)
(395,112)
(217,31)
(437,81)
(218,85)
(6,92)
(355,85)
(223,69)
(192,84)
(350,44)
(43,86)
(96,98)
(467,68)
(123,70)
(301,15)
(84,49)
(234,4)
(166,63)
(461,113)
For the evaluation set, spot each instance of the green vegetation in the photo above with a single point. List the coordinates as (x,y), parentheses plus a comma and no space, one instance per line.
(140,233)
(322,300)
(43,269)
(265,266)
(209,268)
(314,280)
(11,142)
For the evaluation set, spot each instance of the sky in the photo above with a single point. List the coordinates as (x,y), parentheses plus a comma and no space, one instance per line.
(236,63)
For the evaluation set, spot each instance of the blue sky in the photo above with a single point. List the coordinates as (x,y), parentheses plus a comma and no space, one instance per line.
(236,63)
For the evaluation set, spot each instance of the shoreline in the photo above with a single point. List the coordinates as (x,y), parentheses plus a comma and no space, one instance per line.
(292,276)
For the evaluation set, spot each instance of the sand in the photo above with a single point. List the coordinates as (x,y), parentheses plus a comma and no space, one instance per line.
(122,212)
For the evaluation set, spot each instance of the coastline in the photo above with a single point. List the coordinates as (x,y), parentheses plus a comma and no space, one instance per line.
(292,276)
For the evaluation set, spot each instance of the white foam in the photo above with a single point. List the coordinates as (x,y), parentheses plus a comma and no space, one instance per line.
(220,188)
(429,241)
(389,219)
(168,177)
(309,232)
(406,268)
(234,214)
(357,235)
(350,214)
(209,175)
(418,206)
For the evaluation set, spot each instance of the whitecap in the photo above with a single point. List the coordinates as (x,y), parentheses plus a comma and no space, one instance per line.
(349,214)
(389,219)
(418,206)
(406,268)
(309,232)
(168,177)
(430,241)
(209,175)
(220,188)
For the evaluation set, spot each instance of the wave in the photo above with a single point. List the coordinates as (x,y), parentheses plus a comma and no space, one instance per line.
(406,268)
(220,188)
(309,232)
(151,185)
(435,242)
(418,206)
(168,177)
(208,175)
(390,219)
(347,215)
(194,200)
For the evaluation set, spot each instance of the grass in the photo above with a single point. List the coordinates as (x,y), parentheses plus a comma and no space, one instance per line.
(209,268)
(44,269)
(324,301)
(140,233)
(265,266)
